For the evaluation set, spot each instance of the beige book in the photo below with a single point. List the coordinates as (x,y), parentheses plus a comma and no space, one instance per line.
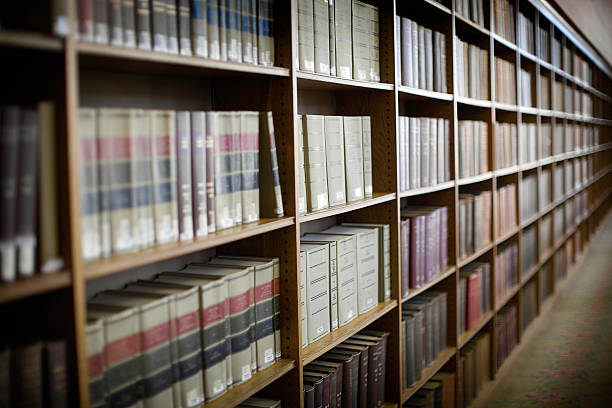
(353,157)
(367,155)
(346,273)
(315,162)
(219,126)
(306,35)
(334,156)
(94,337)
(249,164)
(143,223)
(317,290)
(236,172)
(232,29)
(301,169)
(303,313)
(270,195)
(344,32)
(321,36)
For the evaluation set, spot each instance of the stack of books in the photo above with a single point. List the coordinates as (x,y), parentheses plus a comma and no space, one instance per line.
(505,332)
(155,176)
(546,139)
(474,222)
(527,142)
(424,245)
(339,38)
(544,91)
(29,236)
(196,360)
(506,144)
(544,41)
(439,391)
(335,160)
(351,374)
(545,185)
(228,31)
(503,14)
(526,94)
(506,267)
(529,303)
(529,196)
(345,271)
(475,360)
(530,248)
(424,320)
(422,56)
(474,295)
(473,148)
(545,233)
(424,152)
(260,402)
(472,70)
(506,210)
(526,39)
(505,81)
(472,9)
(556,52)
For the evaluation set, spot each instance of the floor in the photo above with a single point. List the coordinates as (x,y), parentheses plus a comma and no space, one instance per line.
(569,361)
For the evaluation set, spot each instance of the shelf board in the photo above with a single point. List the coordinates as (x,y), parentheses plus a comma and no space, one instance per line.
(529,166)
(153,61)
(30,40)
(529,110)
(507,235)
(505,106)
(429,372)
(507,296)
(528,55)
(423,93)
(309,80)
(117,263)
(475,179)
(530,272)
(260,380)
(426,190)
(445,274)
(323,345)
(35,285)
(502,41)
(527,222)
(460,18)
(480,103)
(468,335)
(438,6)
(545,112)
(475,255)
(506,171)
(377,198)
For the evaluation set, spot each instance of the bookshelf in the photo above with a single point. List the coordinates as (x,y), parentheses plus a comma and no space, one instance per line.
(97,75)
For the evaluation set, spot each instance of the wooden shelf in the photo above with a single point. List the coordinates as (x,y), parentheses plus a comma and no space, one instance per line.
(429,372)
(117,263)
(445,274)
(529,166)
(475,255)
(423,94)
(30,40)
(468,335)
(323,345)
(529,273)
(36,285)
(507,296)
(377,198)
(505,107)
(475,179)
(464,20)
(110,57)
(259,381)
(528,221)
(503,238)
(502,41)
(309,80)
(437,5)
(526,54)
(480,103)
(427,190)
(506,171)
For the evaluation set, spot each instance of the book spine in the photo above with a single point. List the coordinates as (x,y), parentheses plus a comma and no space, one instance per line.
(334,155)
(172,39)
(265,32)
(26,375)
(233,29)
(221,128)
(216,367)
(96,364)
(143,24)
(321,36)
(304,314)
(159,27)
(433,152)
(212,29)
(264,315)
(367,155)
(100,22)
(277,333)
(302,207)
(279,211)
(254,26)
(406,52)
(332,38)
(210,170)
(128,21)
(317,292)
(306,40)
(333,285)
(367,270)
(198,172)
(184,179)
(343,32)
(86,20)
(236,172)
(184,25)
(246,31)
(353,151)
(114,22)
(315,163)
(241,326)
(405,255)
(347,280)
(249,151)
(429,59)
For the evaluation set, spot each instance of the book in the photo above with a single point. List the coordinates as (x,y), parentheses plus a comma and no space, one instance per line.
(315,162)
(94,336)
(343,35)
(26,374)
(257,402)
(332,38)
(306,40)
(198,173)
(184,182)
(353,152)
(320,9)
(367,155)
(128,23)
(301,204)
(172,39)
(159,26)
(213,29)
(249,165)
(350,377)
(265,32)
(303,311)
(334,155)
(317,290)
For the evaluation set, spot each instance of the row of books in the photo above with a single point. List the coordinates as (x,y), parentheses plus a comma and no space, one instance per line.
(424,320)
(506,332)
(557,96)
(238,31)
(506,267)
(29,232)
(546,139)
(472,9)
(474,295)
(351,374)
(345,271)
(424,245)
(335,160)
(503,15)
(526,95)
(558,184)
(529,243)
(473,148)
(544,43)
(529,303)
(422,56)
(34,374)
(573,137)
(526,39)
(505,81)
(528,142)
(506,209)
(156,176)
(506,144)
(558,223)
(529,196)
(259,402)
(438,392)
(544,91)
(424,152)
(546,241)
(339,38)
(545,279)
(555,53)
(545,186)
(474,222)
(227,318)
(475,369)
(472,70)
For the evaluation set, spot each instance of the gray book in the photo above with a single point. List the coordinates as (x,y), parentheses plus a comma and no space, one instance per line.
(406,52)
(321,36)
(332,38)
(433,151)
(424,150)
(199,28)
(442,153)
(304,314)
(414,146)
(367,155)
(353,152)
(305,10)
(302,207)
(198,166)
(317,290)
(422,59)
(343,33)
(429,65)
(315,162)
(183,150)
(334,155)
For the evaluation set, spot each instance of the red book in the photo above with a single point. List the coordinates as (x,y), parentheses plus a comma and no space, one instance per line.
(473,301)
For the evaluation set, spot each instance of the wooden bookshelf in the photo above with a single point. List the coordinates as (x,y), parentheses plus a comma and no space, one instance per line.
(99,75)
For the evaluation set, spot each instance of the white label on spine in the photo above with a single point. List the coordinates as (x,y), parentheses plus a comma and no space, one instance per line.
(268,356)
(321,200)
(357,192)
(246,372)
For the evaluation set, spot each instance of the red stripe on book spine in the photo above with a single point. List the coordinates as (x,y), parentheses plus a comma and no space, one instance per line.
(122,348)
(249,141)
(240,302)
(162,145)
(187,323)
(114,148)
(214,313)
(141,147)
(155,336)
(224,143)
(264,291)
(89,150)
(95,365)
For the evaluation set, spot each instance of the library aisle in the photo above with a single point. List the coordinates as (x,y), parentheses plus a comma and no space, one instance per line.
(568,361)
